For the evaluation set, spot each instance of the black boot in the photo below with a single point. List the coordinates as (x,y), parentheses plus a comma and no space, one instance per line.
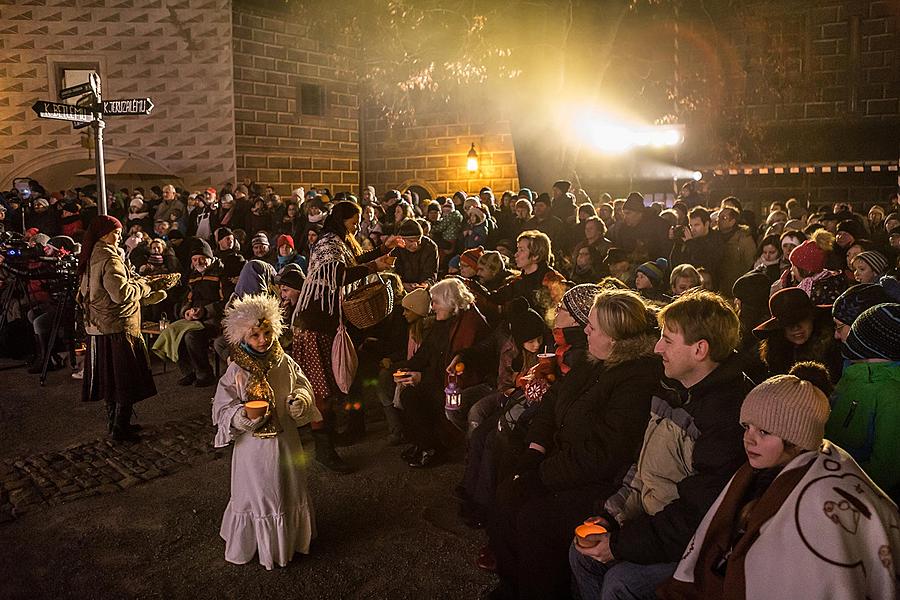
(325,453)
(122,431)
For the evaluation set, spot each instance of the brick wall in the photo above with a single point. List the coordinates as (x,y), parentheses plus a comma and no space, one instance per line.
(276,145)
(432,153)
(177,53)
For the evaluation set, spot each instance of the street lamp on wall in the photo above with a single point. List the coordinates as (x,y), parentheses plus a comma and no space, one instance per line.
(472,160)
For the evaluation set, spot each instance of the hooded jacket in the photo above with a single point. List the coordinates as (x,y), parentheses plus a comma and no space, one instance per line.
(110,294)
(591,423)
(692,446)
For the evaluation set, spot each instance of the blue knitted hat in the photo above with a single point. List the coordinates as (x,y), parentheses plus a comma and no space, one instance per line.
(875,334)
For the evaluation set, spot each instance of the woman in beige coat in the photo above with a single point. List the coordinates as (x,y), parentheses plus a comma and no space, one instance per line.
(119,367)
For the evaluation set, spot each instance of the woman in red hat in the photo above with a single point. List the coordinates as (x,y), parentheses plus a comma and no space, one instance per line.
(119,367)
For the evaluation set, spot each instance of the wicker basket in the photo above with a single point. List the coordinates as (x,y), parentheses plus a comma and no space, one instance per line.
(368,305)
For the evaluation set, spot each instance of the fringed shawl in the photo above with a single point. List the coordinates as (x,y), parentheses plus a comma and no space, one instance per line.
(321,282)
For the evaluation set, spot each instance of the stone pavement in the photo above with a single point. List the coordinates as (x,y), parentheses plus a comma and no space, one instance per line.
(84,518)
(101,467)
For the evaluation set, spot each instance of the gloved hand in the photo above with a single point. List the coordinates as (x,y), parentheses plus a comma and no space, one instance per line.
(241,422)
(299,407)
(154,297)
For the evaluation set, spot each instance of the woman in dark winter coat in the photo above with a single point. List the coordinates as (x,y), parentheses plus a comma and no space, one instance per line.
(458,324)
(584,438)
(798,331)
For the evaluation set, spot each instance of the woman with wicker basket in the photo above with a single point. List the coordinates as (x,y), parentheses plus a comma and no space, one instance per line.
(336,260)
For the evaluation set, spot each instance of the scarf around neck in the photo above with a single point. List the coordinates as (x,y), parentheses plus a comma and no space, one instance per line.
(258,387)
(321,282)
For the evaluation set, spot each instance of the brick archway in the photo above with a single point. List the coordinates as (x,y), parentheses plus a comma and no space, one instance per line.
(421,185)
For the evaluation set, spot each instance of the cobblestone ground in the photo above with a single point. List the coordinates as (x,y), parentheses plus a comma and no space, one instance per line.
(81,517)
(100,467)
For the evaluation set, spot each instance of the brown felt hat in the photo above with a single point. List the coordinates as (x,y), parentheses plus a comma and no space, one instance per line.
(788,307)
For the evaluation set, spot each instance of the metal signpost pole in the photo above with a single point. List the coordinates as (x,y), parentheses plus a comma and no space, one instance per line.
(94,81)
(98,161)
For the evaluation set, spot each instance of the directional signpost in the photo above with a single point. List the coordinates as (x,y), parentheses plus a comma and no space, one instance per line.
(62,112)
(90,110)
(131,106)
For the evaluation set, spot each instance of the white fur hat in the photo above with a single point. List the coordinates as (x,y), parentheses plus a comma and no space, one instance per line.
(250,311)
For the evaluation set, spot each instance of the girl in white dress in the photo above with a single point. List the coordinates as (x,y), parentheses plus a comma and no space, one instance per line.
(269,512)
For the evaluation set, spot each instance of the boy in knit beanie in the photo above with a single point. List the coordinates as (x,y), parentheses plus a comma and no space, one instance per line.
(782,417)
(792,515)
(865,418)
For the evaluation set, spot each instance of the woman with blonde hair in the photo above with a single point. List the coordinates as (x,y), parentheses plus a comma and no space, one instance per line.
(586,435)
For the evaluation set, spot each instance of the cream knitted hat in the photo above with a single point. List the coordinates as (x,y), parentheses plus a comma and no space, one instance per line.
(789,407)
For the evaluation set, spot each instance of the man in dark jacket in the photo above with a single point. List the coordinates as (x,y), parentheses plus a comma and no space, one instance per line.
(641,232)
(699,244)
(204,304)
(692,447)
(544,221)
(417,263)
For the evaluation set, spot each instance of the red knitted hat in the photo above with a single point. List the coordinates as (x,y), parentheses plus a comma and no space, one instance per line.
(471,256)
(808,256)
(284,239)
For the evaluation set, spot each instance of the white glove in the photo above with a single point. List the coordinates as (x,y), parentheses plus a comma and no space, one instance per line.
(302,410)
(241,422)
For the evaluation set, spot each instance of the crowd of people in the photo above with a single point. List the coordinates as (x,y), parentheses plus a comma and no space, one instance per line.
(691,401)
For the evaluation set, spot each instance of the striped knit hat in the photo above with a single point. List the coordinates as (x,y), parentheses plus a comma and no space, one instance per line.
(789,407)
(875,334)
(876,260)
(656,271)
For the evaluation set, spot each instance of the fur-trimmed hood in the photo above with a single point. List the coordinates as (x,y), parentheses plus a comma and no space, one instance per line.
(639,346)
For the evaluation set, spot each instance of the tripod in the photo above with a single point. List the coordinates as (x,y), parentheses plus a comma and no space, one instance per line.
(67,300)
(15,288)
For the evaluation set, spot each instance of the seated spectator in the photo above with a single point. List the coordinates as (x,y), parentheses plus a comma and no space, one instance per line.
(458,325)
(769,260)
(287,254)
(260,248)
(516,342)
(580,445)
(492,270)
(751,299)
(865,417)
(289,281)
(857,299)
(587,266)
(798,331)
(808,270)
(683,278)
(204,304)
(641,233)
(161,259)
(869,266)
(619,265)
(763,539)
(691,447)
(651,280)
(417,262)
(738,247)
(415,307)
(533,257)
(476,232)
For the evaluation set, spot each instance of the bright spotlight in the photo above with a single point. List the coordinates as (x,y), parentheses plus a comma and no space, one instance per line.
(697,176)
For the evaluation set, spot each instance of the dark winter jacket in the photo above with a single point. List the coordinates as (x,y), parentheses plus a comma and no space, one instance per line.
(692,447)
(445,340)
(704,251)
(206,291)
(420,266)
(591,424)
(648,240)
(529,286)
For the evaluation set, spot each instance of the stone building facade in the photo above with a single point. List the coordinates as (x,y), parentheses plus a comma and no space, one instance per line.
(285,140)
(177,52)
